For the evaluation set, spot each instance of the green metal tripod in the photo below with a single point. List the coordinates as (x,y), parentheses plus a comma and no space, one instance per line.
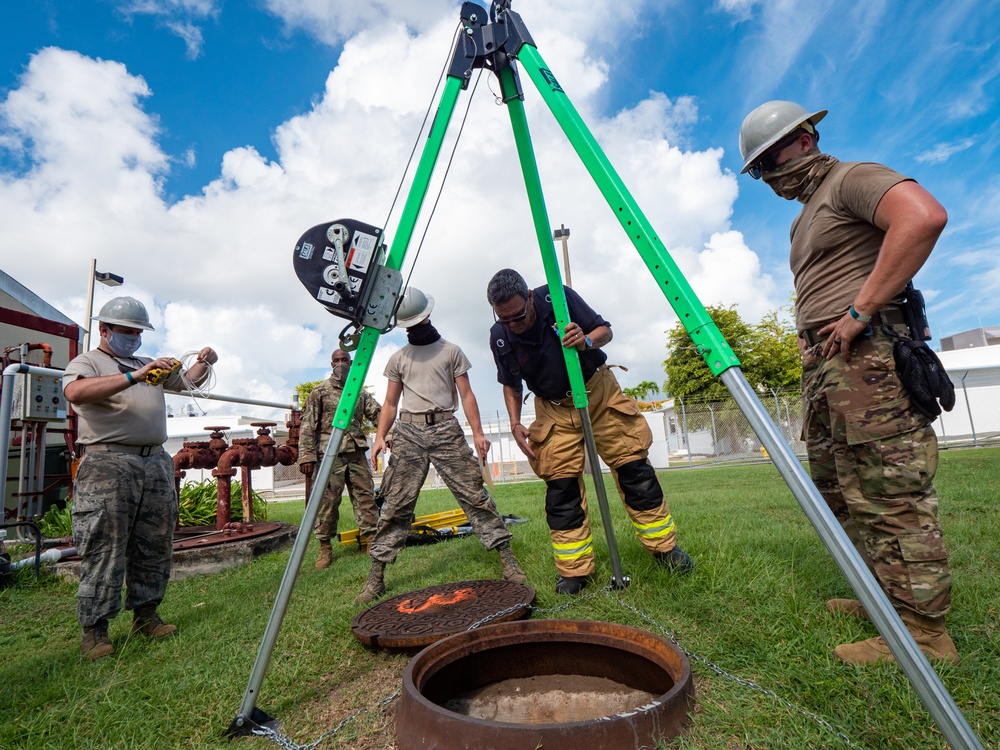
(499,41)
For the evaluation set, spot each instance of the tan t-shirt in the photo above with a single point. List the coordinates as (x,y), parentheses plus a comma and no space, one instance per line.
(428,375)
(135,416)
(834,242)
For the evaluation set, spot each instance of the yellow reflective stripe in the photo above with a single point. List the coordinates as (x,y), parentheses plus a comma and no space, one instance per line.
(654,529)
(573,550)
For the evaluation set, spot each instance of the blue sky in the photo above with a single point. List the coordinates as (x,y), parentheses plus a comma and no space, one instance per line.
(186,144)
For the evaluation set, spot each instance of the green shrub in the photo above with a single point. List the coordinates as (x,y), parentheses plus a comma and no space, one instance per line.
(199,500)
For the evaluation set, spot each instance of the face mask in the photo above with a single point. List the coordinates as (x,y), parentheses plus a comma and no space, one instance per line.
(124,344)
(340,370)
(798,178)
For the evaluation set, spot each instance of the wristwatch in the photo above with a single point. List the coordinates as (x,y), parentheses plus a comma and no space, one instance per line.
(587,343)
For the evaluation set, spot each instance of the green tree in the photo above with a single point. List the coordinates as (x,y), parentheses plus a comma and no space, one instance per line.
(641,391)
(768,352)
(304,389)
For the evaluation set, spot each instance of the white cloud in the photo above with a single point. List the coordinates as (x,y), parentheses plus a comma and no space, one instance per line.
(944,151)
(180,17)
(215,268)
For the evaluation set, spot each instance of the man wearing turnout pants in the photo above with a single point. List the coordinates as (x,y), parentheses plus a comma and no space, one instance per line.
(527,348)
(430,374)
(350,467)
(863,232)
(124,502)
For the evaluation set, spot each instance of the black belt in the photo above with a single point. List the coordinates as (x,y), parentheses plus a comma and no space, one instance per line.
(887,316)
(137,450)
(424,417)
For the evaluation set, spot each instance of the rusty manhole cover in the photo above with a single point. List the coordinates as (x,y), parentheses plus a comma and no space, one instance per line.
(418,618)
(195,537)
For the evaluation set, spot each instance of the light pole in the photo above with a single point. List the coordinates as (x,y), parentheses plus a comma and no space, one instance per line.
(562,234)
(108,279)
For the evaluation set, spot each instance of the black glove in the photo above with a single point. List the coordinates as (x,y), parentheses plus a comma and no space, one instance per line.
(922,374)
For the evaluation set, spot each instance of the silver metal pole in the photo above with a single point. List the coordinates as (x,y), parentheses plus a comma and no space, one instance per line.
(602,498)
(918,670)
(231,399)
(90,305)
(288,579)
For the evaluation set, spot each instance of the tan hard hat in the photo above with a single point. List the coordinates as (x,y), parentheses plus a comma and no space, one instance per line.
(768,124)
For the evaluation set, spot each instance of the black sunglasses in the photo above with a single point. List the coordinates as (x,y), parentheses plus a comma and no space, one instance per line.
(766,162)
(514,318)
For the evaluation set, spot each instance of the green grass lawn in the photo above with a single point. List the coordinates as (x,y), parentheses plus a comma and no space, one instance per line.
(754,607)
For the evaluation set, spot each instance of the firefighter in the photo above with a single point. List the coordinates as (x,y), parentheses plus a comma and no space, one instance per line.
(527,349)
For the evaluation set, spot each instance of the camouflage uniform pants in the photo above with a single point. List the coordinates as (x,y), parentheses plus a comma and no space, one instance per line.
(873,457)
(414,448)
(350,469)
(622,437)
(124,513)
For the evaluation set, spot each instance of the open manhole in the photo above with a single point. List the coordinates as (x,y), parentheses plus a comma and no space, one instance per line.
(418,618)
(555,684)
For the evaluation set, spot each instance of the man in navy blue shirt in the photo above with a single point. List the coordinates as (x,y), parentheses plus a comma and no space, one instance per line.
(527,349)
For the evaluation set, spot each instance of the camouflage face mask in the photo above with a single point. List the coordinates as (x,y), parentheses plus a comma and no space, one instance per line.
(798,178)
(339,372)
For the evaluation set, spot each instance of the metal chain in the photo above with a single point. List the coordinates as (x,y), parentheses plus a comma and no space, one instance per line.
(739,680)
(286,742)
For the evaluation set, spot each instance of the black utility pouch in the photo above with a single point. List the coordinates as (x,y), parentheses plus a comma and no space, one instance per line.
(922,374)
(915,313)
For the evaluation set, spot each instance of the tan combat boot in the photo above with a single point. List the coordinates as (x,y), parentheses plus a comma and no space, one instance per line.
(847,607)
(930,634)
(146,621)
(511,570)
(96,644)
(374,586)
(325,554)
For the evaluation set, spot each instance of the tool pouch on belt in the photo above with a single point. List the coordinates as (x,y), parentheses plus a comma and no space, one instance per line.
(915,313)
(922,374)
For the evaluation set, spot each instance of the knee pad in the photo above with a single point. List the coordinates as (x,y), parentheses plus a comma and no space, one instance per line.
(639,485)
(563,504)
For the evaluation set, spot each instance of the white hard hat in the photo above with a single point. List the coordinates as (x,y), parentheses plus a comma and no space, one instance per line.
(414,307)
(125,311)
(768,124)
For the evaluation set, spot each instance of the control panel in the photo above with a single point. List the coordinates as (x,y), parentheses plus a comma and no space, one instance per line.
(38,397)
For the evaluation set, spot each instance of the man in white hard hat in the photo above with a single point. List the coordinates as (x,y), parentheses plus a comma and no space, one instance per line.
(124,501)
(430,375)
(862,234)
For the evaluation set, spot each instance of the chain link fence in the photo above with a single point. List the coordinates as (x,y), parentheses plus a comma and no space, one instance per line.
(688,433)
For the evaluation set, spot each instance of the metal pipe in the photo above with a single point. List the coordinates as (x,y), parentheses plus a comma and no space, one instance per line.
(322,477)
(620,581)
(231,399)
(918,670)
(50,555)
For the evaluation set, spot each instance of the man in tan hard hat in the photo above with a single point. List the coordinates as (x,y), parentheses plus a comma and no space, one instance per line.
(430,375)
(862,234)
(124,501)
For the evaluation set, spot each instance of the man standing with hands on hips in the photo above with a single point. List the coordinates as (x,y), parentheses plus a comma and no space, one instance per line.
(124,502)
(862,234)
